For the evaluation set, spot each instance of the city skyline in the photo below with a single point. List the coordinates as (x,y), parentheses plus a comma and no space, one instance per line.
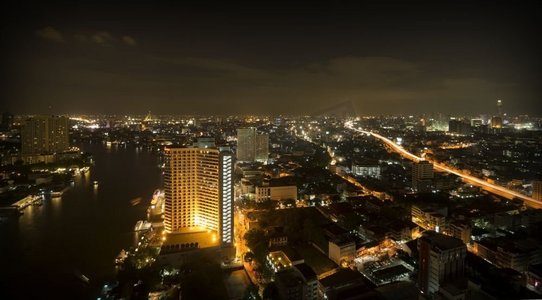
(291,59)
(270,151)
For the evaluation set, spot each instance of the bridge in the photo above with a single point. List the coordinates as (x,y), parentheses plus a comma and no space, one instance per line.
(487,186)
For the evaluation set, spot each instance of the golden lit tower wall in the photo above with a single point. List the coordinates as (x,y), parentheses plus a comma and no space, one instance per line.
(198,190)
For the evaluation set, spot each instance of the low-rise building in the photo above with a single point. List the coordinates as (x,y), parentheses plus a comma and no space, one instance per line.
(341,250)
(504,253)
(461,231)
(297,283)
(366,169)
(275,190)
(345,284)
(429,218)
(277,237)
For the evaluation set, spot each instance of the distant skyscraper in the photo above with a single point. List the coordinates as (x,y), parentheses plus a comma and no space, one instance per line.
(252,146)
(499,108)
(245,144)
(199,191)
(441,261)
(7,121)
(45,134)
(496,122)
(422,175)
(459,126)
(537,190)
(261,147)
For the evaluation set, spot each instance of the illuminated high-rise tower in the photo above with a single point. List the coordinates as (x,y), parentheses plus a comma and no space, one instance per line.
(261,147)
(246,139)
(199,191)
(251,145)
(45,134)
(499,107)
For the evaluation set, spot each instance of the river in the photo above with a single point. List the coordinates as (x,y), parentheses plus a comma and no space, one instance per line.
(80,233)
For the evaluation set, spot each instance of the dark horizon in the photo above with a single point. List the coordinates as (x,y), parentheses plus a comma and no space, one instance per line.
(270,59)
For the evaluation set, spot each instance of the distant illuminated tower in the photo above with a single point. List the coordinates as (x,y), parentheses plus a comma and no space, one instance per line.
(496,122)
(246,139)
(499,107)
(199,191)
(251,145)
(45,134)
(261,147)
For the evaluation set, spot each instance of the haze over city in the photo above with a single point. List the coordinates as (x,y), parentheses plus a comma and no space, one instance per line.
(269,58)
(265,150)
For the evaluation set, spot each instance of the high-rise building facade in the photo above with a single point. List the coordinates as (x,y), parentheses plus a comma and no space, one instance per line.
(459,126)
(422,176)
(199,191)
(45,134)
(537,190)
(245,144)
(441,261)
(252,146)
(7,121)
(261,147)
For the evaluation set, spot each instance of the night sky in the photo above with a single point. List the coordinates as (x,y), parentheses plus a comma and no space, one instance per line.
(252,58)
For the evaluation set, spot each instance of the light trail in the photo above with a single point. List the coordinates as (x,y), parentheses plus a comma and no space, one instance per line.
(492,188)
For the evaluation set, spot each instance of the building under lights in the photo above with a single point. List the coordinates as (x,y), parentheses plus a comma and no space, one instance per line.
(45,135)
(422,176)
(252,146)
(198,198)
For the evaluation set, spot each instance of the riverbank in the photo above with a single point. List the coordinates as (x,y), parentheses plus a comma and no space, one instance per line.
(80,232)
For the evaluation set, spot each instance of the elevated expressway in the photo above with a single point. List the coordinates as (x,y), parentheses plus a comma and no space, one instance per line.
(492,188)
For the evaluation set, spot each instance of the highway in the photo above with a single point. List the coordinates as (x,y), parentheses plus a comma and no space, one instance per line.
(492,188)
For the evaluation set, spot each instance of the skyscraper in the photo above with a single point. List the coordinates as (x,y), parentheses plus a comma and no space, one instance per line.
(45,134)
(199,192)
(422,175)
(7,121)
(261,148)
(441,261)
(246,139)
(251,145)
(537,190)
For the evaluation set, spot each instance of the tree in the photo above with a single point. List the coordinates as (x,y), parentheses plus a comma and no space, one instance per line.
(256,241)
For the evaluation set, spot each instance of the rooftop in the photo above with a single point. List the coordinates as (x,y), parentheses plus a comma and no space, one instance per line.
(289,277)
(306,271)
(279,260)
(342,277)
(441,241)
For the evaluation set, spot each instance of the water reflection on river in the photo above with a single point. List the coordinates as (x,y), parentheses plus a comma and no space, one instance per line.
(80,233)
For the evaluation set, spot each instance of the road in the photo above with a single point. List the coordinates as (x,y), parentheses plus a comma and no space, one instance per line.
(492,188)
